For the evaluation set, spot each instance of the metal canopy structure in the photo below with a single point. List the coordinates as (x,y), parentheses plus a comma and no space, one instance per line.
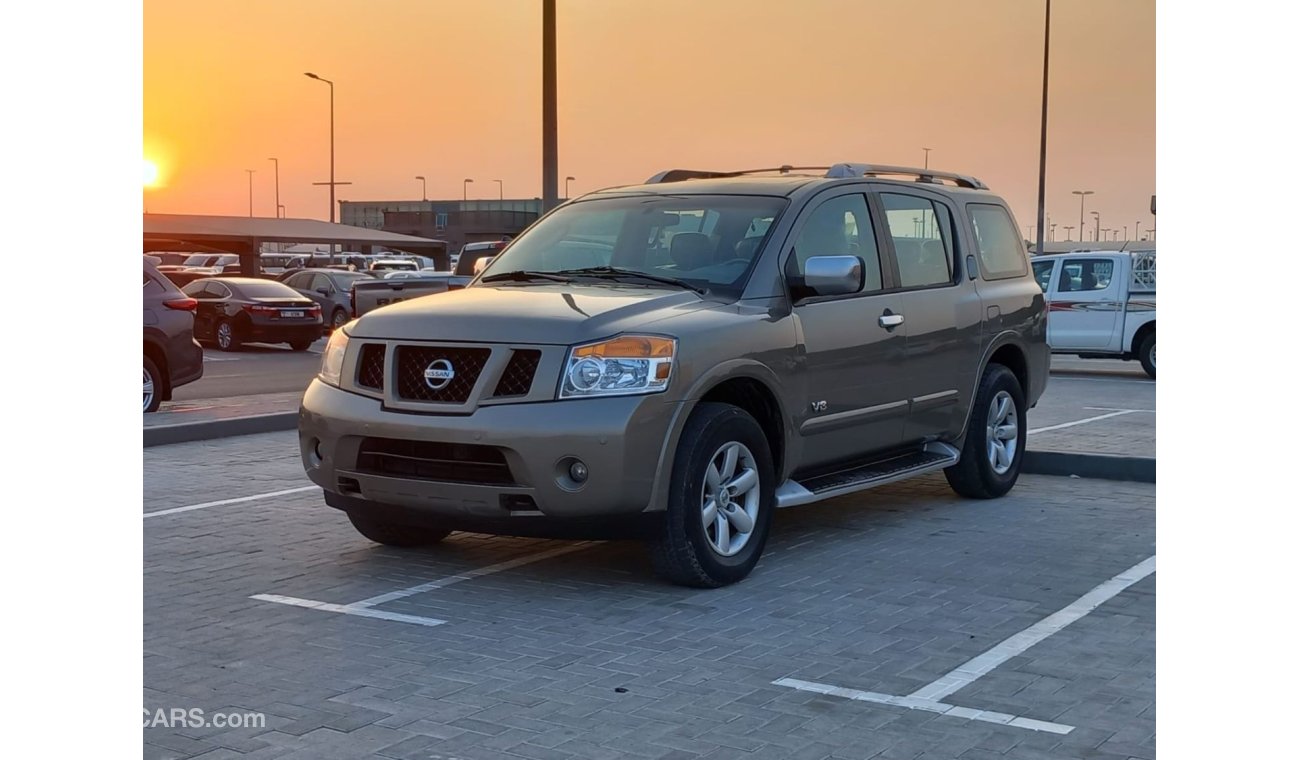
(244,235)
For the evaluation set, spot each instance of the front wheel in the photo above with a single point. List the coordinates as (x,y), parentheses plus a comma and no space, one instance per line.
(995,438)
(1147,354)
(300,345)
(392,534)
(720,500)
(339,319)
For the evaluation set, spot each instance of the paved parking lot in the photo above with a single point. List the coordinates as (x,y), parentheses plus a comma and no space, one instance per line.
(899,623)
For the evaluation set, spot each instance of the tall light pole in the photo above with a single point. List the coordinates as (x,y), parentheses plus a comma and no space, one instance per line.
(464,189)
(331,182)
(276,161)
(927,157)
(424,189)
(1042,144)
(567,180)
(501,189)
(1082,194)
(1068,231)
(1137,230)
(1096,233)
(550,149)
(1051,232)
(250,190)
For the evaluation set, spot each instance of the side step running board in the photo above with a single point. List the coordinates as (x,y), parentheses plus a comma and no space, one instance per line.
(935,456)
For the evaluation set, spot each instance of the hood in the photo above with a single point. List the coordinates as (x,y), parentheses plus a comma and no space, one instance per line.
(559,314)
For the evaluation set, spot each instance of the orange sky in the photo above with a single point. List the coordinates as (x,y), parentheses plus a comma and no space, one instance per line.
(452,89)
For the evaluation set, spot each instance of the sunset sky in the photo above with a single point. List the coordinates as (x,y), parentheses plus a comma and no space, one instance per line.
(452,89)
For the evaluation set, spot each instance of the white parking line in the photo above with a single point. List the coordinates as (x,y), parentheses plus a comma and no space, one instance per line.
(1083,421)
(365,607)
(929,697)
(527,559)
(1117,409)
(224,502)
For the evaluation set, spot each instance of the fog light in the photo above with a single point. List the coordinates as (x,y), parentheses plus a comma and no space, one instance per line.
(578,471)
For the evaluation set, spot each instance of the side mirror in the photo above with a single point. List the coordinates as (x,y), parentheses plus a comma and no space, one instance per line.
(323,291)
(833,275)
(482,263)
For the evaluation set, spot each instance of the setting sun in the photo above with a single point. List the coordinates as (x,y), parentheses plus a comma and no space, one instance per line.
(150,173)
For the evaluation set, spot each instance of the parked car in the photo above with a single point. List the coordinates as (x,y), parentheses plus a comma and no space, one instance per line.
(743,343)
(331,289)
(471,252)
(1101,304)
(237,310)
(172,357)
(382,291)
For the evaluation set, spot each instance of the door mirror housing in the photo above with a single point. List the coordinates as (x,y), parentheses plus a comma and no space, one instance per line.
(323,291)
(833,275)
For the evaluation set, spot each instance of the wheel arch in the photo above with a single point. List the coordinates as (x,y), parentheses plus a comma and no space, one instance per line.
(1140,335)
(158,354)
(1007,350)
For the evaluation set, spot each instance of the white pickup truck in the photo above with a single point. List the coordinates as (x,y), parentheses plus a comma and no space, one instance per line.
(1101,304)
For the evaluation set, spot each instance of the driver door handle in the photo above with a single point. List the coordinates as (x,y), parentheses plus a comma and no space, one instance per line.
(889,320)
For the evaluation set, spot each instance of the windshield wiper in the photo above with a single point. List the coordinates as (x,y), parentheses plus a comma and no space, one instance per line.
(617,272)
(524,275)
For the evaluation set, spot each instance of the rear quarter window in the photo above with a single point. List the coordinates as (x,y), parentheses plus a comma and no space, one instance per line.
(1001,251)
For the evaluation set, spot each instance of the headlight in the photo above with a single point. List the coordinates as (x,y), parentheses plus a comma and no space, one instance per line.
(620,366)
(331,362)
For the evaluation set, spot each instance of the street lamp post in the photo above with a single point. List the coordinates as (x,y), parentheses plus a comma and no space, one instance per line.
(501,189)
(250,190)
(1082,194)
(1096,232)
(276,161)
(331,182)
(1051,232)
(424,189)
(927,157)
(550,131)
(1042,143)
(464,189)
(567,180)
(1068,231)
(1137,230)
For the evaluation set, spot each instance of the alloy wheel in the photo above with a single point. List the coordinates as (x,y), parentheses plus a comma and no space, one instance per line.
(224,335)
(730,498)
(148,390)
(1003,432)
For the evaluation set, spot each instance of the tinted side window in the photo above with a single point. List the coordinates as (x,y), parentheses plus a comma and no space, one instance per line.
(300,280)
(1043,270)
(840,227)
(1001,251)
(1081,275)
(922,235)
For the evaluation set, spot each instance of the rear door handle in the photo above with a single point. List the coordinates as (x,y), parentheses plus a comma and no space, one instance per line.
(890,321)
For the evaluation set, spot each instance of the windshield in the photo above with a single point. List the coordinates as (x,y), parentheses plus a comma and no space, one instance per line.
(705,241)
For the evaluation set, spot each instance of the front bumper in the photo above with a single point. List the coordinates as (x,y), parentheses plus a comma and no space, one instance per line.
(620,439)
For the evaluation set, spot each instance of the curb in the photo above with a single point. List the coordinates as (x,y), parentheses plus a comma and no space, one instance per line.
(1101,466)
(160,435)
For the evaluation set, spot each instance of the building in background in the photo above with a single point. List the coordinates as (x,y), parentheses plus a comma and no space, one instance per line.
(457,222)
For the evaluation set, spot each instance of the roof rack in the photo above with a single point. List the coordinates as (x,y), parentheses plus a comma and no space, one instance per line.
(921,175)
(838,171)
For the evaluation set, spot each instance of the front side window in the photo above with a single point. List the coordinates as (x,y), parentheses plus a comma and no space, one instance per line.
(1042,271)
(699,240)
(841,227)
(921,231)
(1001,250)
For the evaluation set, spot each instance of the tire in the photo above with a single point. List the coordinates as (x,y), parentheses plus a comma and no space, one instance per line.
(153,386)
(685,552)
(975,475)
(1147,354)
(229,341)
(300,345)
(338,319)
(392,534)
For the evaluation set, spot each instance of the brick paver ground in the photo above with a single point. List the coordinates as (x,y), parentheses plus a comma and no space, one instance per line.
(588,655)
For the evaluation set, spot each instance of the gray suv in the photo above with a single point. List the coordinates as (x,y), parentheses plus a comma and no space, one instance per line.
(678,359)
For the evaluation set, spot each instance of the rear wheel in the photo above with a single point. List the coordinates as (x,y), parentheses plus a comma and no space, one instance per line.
(995,438)
(392,534)
(227,338)
(720,500)
(300,345)
(153,386)
(1147,354)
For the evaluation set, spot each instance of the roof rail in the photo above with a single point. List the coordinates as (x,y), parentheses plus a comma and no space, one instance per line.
(678,175)
(841,171)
